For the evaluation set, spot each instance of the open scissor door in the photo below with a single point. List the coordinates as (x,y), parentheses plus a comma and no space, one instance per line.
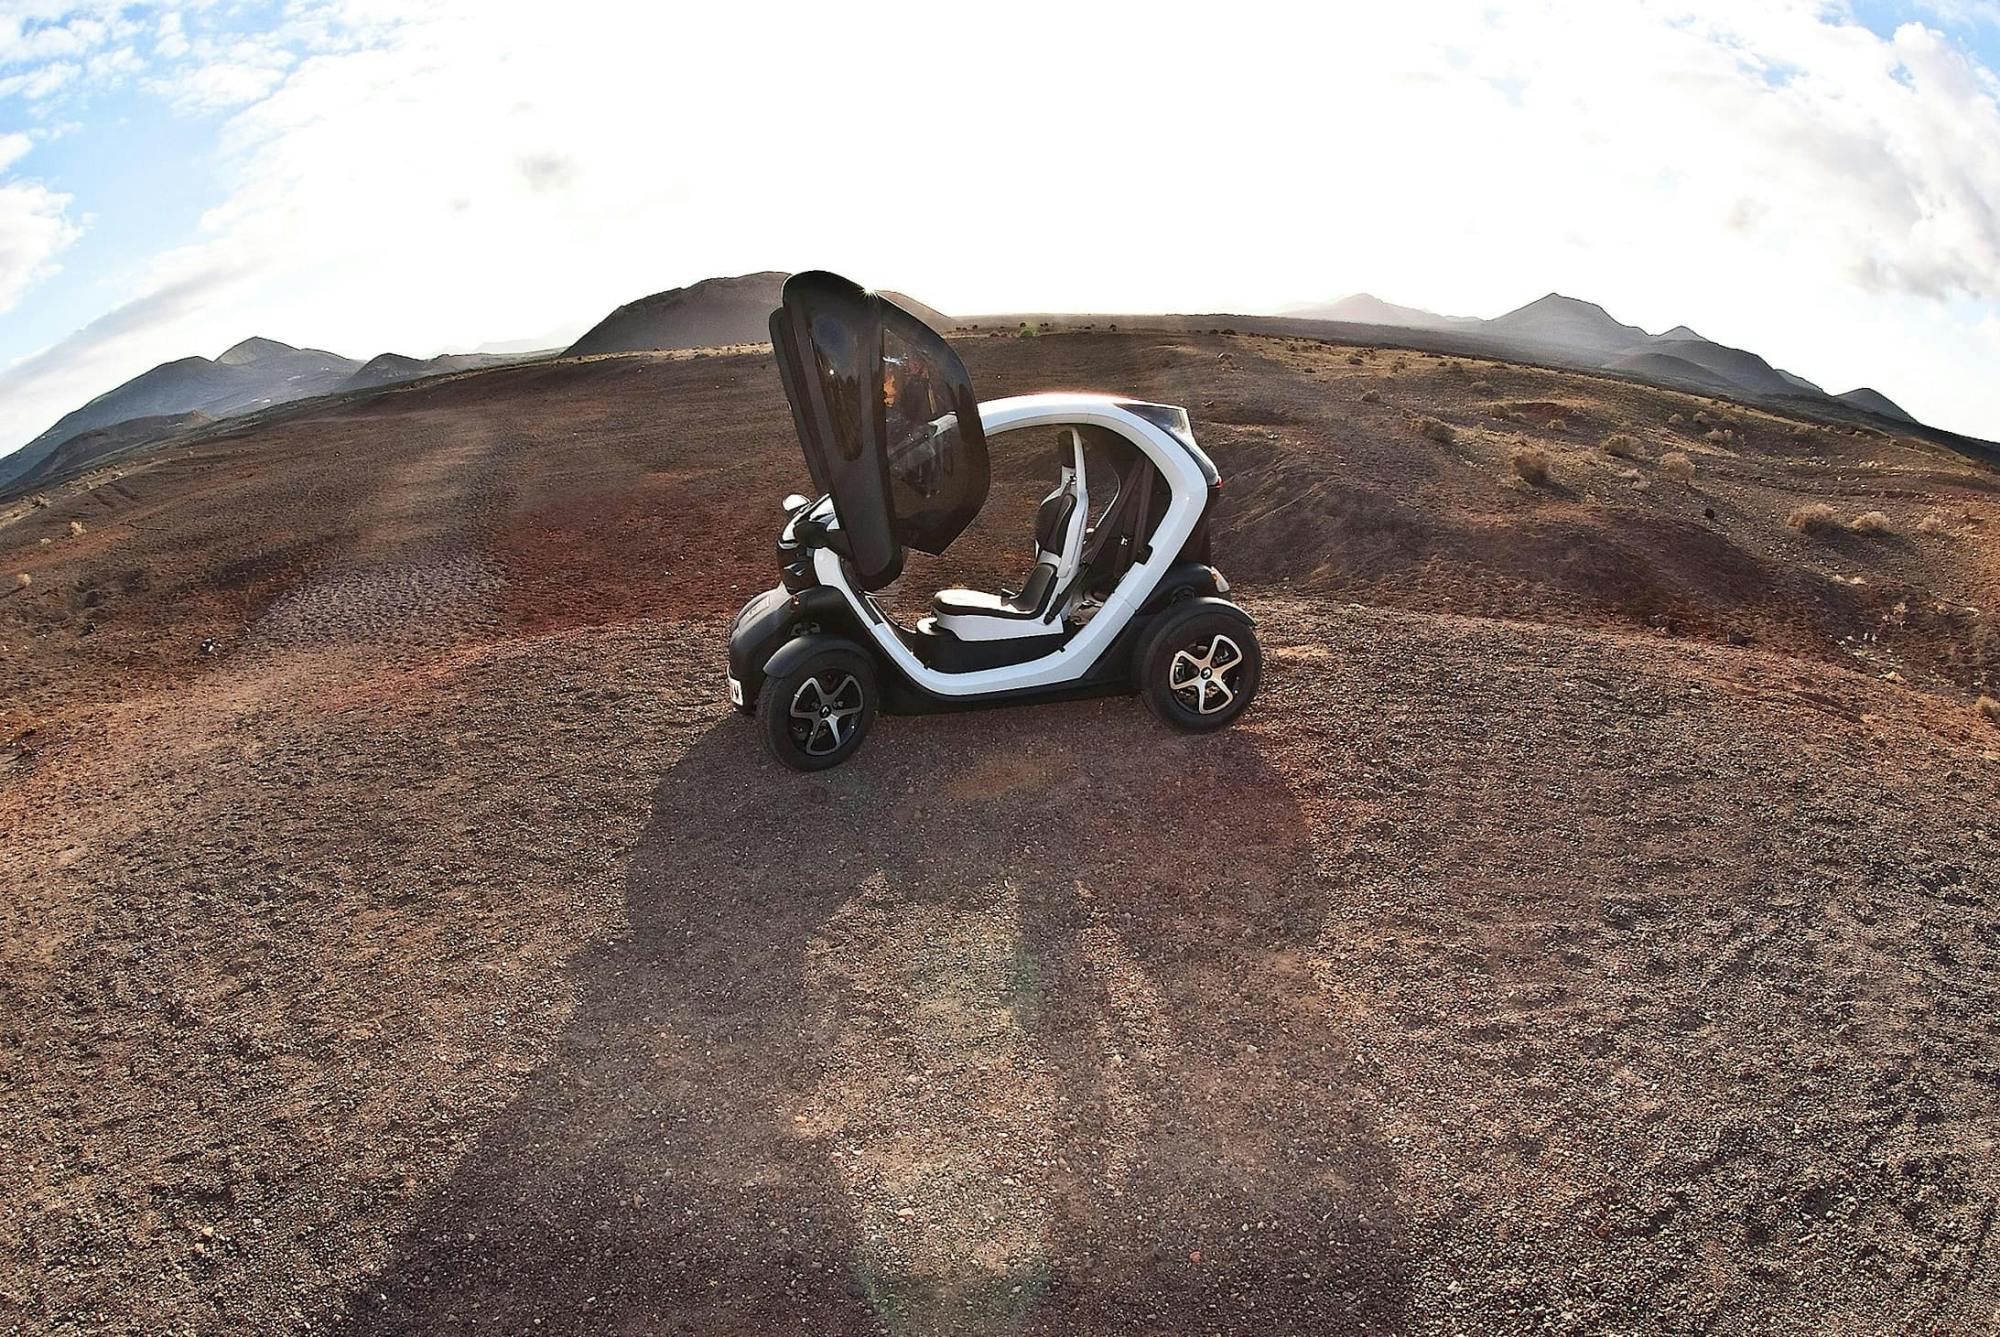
(886,417)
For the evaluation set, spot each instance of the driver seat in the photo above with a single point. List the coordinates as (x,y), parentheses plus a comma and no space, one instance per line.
(975,615)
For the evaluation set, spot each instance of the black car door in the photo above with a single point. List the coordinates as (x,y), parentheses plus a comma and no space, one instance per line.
(887,418)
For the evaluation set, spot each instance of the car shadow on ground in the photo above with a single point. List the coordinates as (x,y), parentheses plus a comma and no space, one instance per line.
(1007,1025)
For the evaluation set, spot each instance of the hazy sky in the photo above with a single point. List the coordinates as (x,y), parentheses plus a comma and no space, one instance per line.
(1817,182)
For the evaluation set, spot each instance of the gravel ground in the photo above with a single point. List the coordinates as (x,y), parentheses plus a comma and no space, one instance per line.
(441,955)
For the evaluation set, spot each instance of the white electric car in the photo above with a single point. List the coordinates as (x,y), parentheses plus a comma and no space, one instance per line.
(1120,595)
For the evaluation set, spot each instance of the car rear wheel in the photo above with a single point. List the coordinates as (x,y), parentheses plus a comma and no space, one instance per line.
(815,715)
(1201,669)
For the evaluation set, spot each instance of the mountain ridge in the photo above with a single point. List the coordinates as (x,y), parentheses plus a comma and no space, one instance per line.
(258,372)
(1570,326)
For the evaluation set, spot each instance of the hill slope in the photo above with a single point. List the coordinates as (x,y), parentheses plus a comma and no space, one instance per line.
(1874,401)
(1568,323)
(253,374)
(1660,368)
(714,313)
(87,448)
(1367,309)
(394,368)
(1731,368)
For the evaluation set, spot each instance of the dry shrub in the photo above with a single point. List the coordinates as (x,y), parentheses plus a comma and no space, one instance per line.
(1530,464)
(1400,364)
(22,580)
(1715,436)
(1622,445)
(1354,359)
(1441,432)
(76,529)
(1814,518)
(1558,424)
(41,503)
(1989,707)
(1871,522)
(1934,523)
(1676,464)
(1675,420)
(1371,396)
(1701,418)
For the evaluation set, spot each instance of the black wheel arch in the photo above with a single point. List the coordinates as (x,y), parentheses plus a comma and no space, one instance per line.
(771,621)
(1183,581)
(799,649)
(1174,614)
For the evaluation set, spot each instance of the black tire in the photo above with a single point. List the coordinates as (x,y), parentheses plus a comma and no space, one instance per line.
(837,684)
(1179,672)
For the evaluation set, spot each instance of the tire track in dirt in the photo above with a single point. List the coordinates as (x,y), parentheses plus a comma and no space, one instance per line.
(413,572)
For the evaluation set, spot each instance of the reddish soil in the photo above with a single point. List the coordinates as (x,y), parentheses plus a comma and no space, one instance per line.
(1591,929)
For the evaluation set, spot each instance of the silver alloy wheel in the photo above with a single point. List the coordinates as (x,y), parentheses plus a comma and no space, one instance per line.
(1206,675)
(827,713)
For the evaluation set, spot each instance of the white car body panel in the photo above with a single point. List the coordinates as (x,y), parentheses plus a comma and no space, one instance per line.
(1072,661)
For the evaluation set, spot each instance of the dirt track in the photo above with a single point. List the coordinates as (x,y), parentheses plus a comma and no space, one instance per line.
(442,955)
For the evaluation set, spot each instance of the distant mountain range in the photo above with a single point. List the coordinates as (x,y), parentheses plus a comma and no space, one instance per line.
(1585,333)
(258,373)
(188,394)
(254,374)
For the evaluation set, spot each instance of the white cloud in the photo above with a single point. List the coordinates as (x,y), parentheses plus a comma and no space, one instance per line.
(34,225)
(169,37)
(34,229)
(222,84)
(1964,13)
(41,81)
(452,174)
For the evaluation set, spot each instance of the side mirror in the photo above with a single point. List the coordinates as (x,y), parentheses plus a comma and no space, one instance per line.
(794,502)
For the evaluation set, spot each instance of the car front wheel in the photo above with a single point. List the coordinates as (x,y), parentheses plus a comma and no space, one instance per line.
(816,714)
